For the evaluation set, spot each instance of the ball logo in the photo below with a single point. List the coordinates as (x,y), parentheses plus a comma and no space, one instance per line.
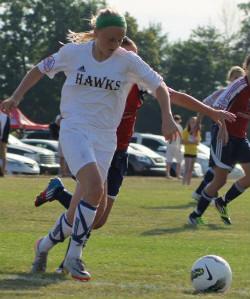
(210,277)
(196,273)
(48,63)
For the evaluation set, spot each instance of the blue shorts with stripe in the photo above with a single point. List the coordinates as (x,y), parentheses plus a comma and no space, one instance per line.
(237,150)
(117,171)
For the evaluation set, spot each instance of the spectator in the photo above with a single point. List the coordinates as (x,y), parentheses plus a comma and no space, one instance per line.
(174,151)
(191,137)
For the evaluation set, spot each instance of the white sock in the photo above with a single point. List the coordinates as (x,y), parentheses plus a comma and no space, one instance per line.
(59,233)
(83,221)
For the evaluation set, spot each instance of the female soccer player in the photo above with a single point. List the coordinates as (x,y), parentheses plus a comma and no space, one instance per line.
(236,99)
(118,167)
(234,73)
(99,75)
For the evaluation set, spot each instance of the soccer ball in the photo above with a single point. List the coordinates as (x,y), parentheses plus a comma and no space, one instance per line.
(211,273)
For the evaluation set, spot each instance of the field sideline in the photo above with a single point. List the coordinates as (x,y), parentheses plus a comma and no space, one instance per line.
(145,251)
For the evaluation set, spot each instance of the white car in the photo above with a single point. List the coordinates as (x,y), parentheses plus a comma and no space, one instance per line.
(17,164)
(45,158)
(49,144)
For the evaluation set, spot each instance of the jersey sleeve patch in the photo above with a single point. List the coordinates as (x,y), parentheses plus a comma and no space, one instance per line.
(48,63)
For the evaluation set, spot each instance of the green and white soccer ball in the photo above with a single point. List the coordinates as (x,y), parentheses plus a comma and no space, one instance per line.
(211,273)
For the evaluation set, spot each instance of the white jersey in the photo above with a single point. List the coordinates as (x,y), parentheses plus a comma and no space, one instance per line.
(229,94)
(213,97)
(94,93)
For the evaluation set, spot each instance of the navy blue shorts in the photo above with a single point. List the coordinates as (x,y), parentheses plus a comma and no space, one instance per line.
(117,170)
(6,131)
(237,150)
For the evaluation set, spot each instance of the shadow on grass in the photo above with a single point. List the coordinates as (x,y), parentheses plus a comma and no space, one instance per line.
(180,207)
(21,281)
(185,227)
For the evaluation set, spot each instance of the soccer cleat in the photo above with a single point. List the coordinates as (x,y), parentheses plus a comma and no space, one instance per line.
(221,207)
(76,268)
(196,196)
(48,193)
(40,262)
(194,219)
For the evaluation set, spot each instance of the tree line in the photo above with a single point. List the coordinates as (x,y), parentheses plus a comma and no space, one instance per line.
(33,29)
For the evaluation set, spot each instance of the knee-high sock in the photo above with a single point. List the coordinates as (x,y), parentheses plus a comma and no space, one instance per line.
(209,175)
(59,233)
(63,196)
(203,203)
(235,191)
(83,221)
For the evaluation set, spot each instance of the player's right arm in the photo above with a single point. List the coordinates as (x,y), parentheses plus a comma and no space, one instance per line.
(49,66)
(29,80)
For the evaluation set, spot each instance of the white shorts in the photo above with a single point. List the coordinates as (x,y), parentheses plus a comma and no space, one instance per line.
(81,147)
(172,153)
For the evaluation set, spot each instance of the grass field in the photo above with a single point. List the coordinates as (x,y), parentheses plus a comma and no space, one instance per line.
(146,249)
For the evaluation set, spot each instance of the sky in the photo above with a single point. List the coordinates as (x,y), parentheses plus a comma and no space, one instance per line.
(179,17)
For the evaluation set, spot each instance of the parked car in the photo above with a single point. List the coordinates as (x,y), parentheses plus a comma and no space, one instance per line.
(51,145)
(45,158)
(37,134)
(17,164)
(142,160)
(158,143)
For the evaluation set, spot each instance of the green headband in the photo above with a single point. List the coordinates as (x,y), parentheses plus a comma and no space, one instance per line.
(104,21)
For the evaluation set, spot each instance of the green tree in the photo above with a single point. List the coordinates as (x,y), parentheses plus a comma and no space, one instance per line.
(30,31)
(199,65)
(243,45)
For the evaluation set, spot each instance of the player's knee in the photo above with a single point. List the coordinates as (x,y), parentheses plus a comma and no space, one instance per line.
(95,193)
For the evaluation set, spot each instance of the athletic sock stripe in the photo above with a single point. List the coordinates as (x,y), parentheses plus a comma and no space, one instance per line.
(66,220)
(87,205)
(207,197)
(82,219)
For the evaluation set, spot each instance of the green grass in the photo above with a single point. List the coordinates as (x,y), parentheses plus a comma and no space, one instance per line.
(146,249)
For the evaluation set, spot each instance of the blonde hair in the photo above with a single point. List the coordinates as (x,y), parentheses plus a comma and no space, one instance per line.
(235,70)
(82,37)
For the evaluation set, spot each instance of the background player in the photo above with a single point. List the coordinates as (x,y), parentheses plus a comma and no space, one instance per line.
(233,74)
(236,99)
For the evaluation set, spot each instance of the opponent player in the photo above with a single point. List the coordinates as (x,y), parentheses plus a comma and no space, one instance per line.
(236,99)
(233,74)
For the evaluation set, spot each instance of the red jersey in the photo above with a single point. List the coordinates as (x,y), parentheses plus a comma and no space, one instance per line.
(236,98)
(126,128)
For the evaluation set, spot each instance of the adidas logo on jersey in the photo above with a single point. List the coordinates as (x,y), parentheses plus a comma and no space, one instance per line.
(82,69)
